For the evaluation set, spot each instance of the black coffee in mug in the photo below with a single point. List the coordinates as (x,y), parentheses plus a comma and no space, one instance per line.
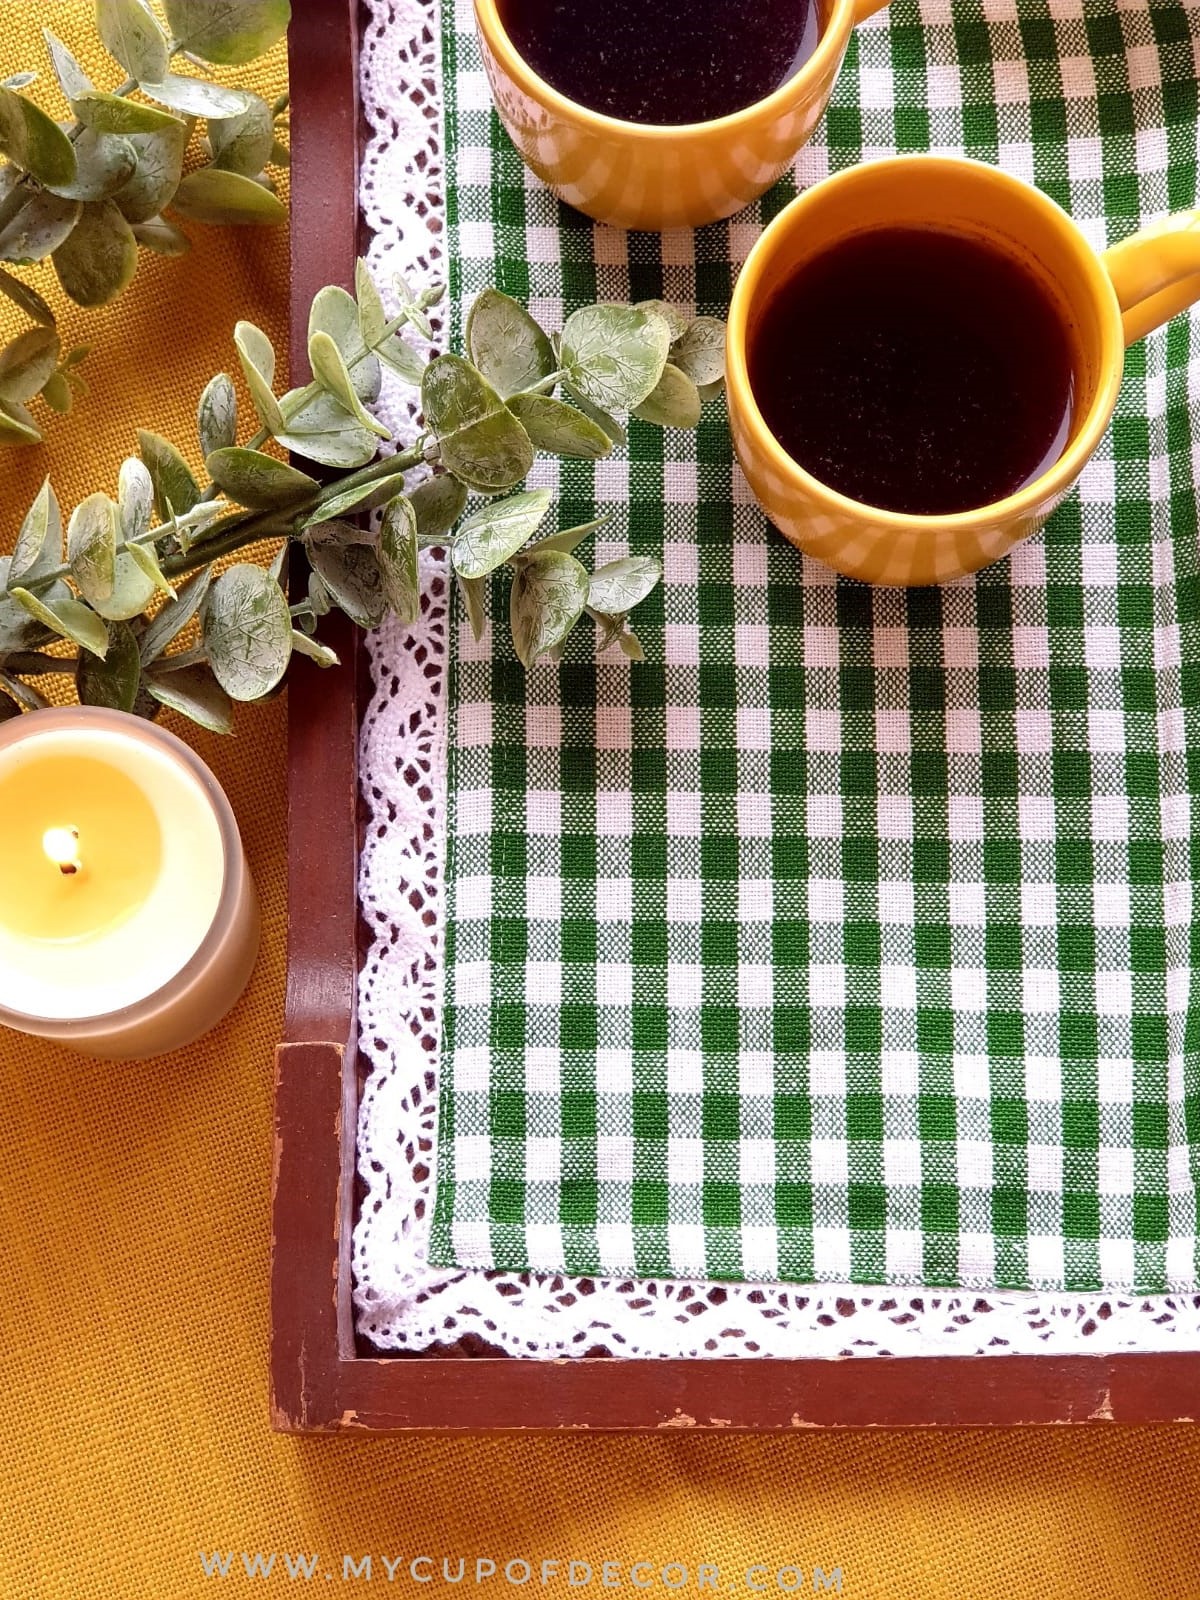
(663,61)
(915,370)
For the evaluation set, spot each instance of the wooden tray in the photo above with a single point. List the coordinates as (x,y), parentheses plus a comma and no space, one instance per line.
(322,1380)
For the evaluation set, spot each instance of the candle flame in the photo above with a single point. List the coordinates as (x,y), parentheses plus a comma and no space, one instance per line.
(62,847)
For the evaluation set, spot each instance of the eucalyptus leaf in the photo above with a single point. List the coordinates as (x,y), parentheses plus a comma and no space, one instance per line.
(159,167)
(675,320)
(162,237)
(614,355)
(19,630)
(243,143)
(281,156)
(344,533)
(474,593)
(209,195)
(711,391)
(105,162)
(257,356)
(506,344)
(99,258)
(363,497)
(303,645)
(325,431)
(40,541)
(175,490)
(228,32)
(27,363)
(25,299)
(147,563)
(438,503)
(135,498)
(247,631)
(92,547)
(608,628)
(372,319)
(12,707)
(170,621)
(134,587)
(33,141)
(42,224)
(17,425)
(397,556)
(257,480)
(320,600)
(632,646)
(110,113)
(569,539)
(58,393)
(196,97)
(701,351)
(69,619)
(618,586)
(194,693)
(131,33)
(335,313)
(330,371)
(494,533)
(72,79)
(113,680)
(559,428)
(601,418)
(674,403)
(549,592)
(350,572)
(402,359)
(480,440)
(216,415)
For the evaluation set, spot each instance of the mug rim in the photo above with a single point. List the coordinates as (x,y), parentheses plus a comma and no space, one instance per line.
(831,44)
(1057,478)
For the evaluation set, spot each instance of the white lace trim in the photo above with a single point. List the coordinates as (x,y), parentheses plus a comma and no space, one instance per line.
(403,1303)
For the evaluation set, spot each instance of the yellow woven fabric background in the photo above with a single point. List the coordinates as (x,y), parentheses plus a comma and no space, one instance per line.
(133,1250)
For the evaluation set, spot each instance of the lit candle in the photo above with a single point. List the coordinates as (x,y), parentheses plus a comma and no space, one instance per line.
(128,921)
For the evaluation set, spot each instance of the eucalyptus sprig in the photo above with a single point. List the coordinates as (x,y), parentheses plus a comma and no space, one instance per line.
(88,192)
(137,570)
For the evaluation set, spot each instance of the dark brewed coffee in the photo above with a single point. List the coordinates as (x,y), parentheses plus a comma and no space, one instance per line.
(666,61)
(916,371)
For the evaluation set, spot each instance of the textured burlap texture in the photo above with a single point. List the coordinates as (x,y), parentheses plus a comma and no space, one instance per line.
(134,1225)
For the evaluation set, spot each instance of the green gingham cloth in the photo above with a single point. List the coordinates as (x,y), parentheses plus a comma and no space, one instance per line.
(852,937)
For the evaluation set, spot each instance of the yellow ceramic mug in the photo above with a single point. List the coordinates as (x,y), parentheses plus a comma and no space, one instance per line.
(1106,302)
(643,176)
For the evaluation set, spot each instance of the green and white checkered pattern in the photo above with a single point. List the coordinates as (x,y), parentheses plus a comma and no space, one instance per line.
(852,937)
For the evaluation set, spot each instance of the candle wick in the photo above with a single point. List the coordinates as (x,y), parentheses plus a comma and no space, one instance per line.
(60,844)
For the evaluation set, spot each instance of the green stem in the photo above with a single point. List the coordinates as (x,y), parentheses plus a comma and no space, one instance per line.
(35,664)
(264,525)
(195,657)
(384,467)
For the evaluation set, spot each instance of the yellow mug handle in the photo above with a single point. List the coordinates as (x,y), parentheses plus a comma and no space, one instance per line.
(866,8)
(1156,272)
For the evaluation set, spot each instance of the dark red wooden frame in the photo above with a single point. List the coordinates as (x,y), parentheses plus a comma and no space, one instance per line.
(321,1381)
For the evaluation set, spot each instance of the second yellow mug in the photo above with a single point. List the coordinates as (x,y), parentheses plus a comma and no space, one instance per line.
(1106,302)
(636,175)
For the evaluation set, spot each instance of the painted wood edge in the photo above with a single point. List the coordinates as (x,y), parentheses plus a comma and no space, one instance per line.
(318,1383)
(315,1094)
